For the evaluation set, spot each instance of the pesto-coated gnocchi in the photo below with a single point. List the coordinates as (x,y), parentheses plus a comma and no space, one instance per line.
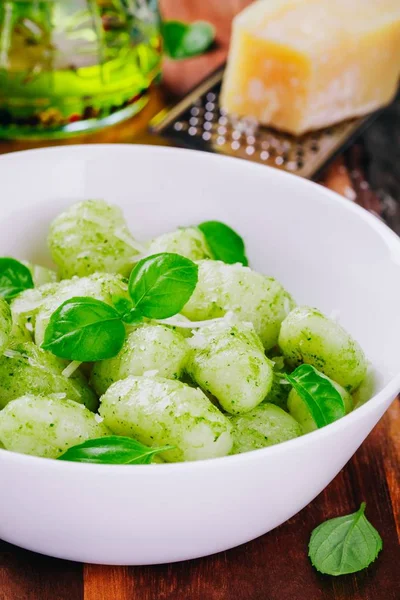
(27,369)
(263,426)
(24,309)
(228,361)
(160,411)
(47,425)
(92,236)
(41,275)
(185,351)
(149,347)
(252,297)
(5,324)
(279,392)
(280,388)
(187,241)
(308,336)
(365,390)
(102,286)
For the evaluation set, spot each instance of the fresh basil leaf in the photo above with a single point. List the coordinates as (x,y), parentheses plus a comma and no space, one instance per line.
(160,285)
(173,33)
(344,545)
(224,242)
(14,278)
(122,305)
(183,40)
(321,397)
(84,329)
(128,313)
(112,450)
(132,317)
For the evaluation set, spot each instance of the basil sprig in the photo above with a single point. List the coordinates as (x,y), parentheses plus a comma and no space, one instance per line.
(344,545)
(112,450)
(321,397)
(183,40)
(224,243)
(89,330)
(14,278)
(128,313)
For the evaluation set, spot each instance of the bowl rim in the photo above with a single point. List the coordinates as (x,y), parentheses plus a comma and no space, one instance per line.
(391,389)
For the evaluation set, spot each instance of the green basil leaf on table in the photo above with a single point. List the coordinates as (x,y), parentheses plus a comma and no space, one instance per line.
(321,397)
(14,278)
(84,329)
(344,545)
(224,242)
(183,40)
(112,450)
(160,285)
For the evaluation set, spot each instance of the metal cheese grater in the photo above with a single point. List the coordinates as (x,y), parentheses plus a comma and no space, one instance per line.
(197,121)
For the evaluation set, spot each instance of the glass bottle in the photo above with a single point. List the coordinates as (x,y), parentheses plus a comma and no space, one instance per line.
(74,65)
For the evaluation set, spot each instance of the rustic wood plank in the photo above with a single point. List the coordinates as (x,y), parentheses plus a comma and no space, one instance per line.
(28,576)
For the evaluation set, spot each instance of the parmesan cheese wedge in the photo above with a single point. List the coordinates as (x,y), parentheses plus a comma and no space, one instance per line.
(299,65)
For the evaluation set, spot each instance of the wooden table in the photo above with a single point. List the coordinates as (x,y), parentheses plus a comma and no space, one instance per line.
(275,566)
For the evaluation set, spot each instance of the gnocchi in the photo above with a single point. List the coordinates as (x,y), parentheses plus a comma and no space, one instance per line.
(228,361)
(148,347)
(187,241)
(280,389)
(252,297)
(308,336)
(5,324)
(47,425)
(159,411)
(92,236)
(264,426)
(102,286)
(206,358)
(41,275)
(27,369)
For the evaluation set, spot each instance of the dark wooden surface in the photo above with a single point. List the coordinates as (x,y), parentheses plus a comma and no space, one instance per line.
(275,566)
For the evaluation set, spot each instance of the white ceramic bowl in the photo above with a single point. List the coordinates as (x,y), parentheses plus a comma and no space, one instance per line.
(328,252)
